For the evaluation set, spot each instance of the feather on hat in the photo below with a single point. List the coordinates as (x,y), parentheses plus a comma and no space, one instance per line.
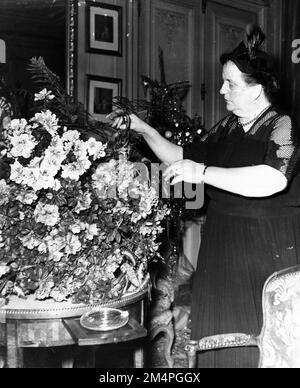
(248,56)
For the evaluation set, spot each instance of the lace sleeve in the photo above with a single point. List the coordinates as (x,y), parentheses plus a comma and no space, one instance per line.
(197,151)
(283,148)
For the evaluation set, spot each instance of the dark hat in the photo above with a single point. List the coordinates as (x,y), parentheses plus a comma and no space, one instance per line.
(247,56)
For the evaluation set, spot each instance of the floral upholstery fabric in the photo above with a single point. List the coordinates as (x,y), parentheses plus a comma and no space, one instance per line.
(280,337)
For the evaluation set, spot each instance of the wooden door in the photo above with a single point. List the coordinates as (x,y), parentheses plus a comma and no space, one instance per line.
(175,27)
(225,23)
(193,34)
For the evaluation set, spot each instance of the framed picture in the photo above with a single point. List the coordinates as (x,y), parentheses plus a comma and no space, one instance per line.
(104,28)
(101,91)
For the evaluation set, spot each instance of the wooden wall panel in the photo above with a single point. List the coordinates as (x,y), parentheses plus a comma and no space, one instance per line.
(123,67)
(225,26)
(192,34)
(174,26)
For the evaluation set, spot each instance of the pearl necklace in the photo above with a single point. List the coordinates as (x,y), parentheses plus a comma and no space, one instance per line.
(254,119)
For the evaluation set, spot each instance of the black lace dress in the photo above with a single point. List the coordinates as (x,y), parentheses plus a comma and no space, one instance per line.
(245,239)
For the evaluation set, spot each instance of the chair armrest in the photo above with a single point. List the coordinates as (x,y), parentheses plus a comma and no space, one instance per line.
(217,342)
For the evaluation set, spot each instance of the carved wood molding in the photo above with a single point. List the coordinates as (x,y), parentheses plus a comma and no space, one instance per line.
(243,4)
(71,47)
(171,21)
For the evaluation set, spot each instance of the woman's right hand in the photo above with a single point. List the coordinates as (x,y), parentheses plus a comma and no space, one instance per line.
(132,122)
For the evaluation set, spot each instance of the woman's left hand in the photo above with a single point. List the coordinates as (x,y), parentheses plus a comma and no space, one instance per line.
(185,171)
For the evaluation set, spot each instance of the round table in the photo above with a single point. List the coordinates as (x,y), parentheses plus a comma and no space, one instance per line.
(43,324)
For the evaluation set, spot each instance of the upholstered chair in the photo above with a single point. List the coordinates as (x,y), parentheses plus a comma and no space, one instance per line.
(279,340)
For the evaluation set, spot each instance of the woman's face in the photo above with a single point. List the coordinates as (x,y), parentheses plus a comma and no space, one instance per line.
(238,95)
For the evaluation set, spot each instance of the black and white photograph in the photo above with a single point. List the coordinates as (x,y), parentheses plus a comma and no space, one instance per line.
(104,28)
(150,188)
(101,92)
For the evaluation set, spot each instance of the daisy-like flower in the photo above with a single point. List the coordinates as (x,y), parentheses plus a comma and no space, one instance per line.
(43,95)
(47,214)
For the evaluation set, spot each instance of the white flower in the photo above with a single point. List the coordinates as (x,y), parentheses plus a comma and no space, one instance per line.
(74,170)
(110,269)
(30,241)
(48,120)
(4,192)
(30,177)
(45,178)
(55,154)
(80,149)
(57,185)
(23,145)
(91,231)
(43,95)
(4,269)
(52,244)
(84,202)
(96,148)
(18,127)
(47,214)
(27,197)
(145,230)
(17,172)
(56,256)
(70,171)
(105,176)
(77,227)
(73,245)
(70,136)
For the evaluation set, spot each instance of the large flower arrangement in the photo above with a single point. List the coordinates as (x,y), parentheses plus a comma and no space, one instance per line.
(75,223)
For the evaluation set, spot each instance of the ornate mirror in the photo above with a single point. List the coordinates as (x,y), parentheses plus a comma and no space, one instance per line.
(33,28)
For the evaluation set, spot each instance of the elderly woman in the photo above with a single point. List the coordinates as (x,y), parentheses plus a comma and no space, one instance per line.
(249,163)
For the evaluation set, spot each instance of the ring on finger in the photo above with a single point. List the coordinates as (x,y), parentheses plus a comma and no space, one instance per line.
(126,120)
